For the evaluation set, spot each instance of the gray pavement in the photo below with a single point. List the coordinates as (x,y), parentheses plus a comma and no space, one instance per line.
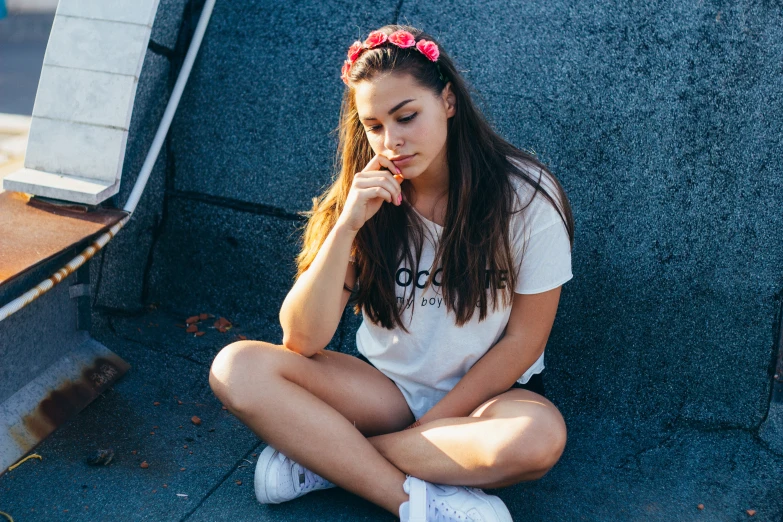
(612,469)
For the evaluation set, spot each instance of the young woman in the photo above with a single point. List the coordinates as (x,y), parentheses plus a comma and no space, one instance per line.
(458,279)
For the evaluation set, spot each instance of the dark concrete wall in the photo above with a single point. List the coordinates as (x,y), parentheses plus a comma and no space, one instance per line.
(119,273)
(661,119)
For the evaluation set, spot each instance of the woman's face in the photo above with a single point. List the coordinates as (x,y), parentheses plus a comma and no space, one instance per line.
(401,118)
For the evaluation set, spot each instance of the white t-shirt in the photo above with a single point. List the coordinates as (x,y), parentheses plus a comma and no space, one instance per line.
(427,363)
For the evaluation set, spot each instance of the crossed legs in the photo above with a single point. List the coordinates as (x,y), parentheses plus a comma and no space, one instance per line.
(342,419)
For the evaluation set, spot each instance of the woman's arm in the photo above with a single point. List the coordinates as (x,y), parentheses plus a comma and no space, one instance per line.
(311,311)
(530,323)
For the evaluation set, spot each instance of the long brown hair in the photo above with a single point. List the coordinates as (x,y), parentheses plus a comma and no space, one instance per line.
(475,237)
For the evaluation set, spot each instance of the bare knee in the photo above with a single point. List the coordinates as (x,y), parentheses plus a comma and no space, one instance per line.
(534,447)
(545,452)
(239,368)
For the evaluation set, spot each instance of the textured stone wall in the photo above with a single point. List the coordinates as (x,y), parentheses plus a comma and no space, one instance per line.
(662,120)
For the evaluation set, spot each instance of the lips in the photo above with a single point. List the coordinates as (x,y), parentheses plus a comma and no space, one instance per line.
(403,159)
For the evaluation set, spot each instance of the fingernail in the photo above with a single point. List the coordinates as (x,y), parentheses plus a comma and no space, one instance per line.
(398,169)
(399,199)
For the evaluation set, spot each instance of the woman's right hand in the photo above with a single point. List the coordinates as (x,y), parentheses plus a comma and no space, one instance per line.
(370,188)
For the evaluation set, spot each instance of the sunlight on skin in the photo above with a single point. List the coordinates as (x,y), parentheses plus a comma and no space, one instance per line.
(498,434)
(481,410)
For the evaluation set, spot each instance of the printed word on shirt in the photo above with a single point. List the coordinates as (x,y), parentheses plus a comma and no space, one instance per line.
(404,278)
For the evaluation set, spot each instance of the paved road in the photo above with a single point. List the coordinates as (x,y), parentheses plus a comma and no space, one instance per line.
(23,39)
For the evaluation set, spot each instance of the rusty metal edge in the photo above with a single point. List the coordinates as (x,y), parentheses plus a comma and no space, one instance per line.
(55,396)
(67,252)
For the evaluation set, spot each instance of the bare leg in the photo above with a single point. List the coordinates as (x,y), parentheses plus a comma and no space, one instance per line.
(459,451)
(319,411)
(514,437)
(312,433)
(301,406)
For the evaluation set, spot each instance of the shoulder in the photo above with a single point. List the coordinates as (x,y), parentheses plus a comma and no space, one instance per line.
(533,210)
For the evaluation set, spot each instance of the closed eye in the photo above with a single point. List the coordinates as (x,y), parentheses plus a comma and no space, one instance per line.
(401,120)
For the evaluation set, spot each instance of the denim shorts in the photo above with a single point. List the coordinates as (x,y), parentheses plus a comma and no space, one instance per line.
(535,384)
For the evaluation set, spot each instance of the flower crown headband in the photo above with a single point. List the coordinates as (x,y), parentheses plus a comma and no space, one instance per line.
(401,38)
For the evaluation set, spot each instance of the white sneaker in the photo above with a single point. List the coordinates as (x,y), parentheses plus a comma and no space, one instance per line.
(279,479)
(429,502)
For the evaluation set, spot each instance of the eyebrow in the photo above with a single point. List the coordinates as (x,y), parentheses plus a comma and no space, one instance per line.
(391,111)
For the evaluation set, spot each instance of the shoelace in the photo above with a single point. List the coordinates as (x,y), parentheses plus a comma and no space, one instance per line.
(308,479)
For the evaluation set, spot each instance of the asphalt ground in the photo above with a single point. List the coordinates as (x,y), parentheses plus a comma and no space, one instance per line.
(612,468)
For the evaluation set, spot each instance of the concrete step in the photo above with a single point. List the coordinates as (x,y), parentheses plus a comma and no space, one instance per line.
(60,186)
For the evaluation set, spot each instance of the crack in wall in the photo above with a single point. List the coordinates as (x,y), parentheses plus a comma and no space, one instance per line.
(776,364)
(237,204)
(187,29)
(160,222)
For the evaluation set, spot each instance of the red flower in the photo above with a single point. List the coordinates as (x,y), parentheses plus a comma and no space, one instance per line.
(345,71)
(375,38)
(428,49)
(355,50)
(402,39)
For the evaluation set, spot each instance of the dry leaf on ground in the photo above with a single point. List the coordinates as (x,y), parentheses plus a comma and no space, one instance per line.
(222,325)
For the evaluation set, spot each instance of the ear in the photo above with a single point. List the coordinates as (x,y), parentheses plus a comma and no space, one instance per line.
(449,100)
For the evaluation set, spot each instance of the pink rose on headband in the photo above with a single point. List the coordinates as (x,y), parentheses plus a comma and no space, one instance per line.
(375,38)
(428,49)
(355,50)
(402,39)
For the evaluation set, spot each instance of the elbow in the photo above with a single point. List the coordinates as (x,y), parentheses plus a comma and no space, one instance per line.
(298,345)
(291,341)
